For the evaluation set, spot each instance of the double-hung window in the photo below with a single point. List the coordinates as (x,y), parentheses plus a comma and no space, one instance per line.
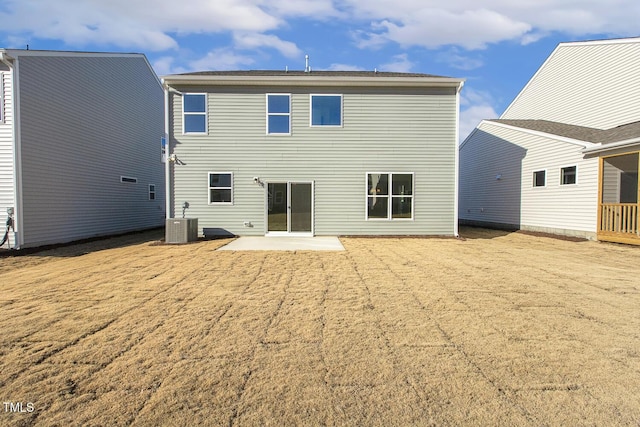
(326,110)
(194,113)
(568,175)
(220,188)
(278,114)
(390,196)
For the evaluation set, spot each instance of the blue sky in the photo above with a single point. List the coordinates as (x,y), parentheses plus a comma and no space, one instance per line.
(496,45)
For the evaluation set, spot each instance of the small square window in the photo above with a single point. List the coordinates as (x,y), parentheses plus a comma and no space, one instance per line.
(326,110)
(568,175)
(539,178)
(220,188)
(194,112)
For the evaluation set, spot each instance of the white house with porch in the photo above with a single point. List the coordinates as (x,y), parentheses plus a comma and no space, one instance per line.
(538,168)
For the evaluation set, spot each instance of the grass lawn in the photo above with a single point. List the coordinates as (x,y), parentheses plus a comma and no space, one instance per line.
(493,329)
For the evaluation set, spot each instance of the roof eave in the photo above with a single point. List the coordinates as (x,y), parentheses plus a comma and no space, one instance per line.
(602,148)
(311,80)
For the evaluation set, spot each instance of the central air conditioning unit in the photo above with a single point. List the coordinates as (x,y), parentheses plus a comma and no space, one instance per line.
(181,230)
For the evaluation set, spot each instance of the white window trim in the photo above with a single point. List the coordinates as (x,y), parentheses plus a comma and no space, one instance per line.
(152,191)
(390,197)
(209,188)
(533,179)
(266,100)
(565,167)
(205,113)
(311,110)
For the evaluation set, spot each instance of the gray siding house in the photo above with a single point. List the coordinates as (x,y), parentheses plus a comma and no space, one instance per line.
(80,152)
(313,153)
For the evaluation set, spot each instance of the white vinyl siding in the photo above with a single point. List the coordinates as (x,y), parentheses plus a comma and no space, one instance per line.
(384,129)
(7,196)
(496,182)
(586,84)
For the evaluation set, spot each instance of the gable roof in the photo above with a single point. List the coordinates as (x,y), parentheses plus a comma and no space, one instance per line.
(581,133)
(312,78)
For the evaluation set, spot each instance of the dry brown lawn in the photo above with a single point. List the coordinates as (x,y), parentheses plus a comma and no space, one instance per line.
(494,329)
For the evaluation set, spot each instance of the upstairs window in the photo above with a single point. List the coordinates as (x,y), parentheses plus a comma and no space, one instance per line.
(390,196)
(568,175)
(194,119)
(278,114)
(326,110)
(539,178)
(152,191)
(220,188)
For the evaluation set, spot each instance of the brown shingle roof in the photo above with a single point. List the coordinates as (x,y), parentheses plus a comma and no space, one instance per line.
(581,133)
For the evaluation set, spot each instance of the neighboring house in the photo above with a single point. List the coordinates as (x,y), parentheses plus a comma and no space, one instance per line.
(313,153)
(531,169)
(80,152)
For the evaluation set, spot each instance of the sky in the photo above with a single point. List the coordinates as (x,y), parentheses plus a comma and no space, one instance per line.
(496,45)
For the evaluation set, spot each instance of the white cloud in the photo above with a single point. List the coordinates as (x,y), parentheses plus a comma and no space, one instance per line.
(475,107)
(136,23)
(471,29)
(342,67)
(400,64)
(166,65)
(317,9)
(432,24)
(221,59)
(256,40)
(160,25)
(456,60)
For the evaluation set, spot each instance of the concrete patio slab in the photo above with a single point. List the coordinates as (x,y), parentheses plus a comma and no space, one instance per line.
(285,243)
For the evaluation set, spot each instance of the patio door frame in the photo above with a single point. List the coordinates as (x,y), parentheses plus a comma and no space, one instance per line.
(288,209)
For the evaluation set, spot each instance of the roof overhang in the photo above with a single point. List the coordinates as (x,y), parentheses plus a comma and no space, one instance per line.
(585,144)
(630,144)
(311,80)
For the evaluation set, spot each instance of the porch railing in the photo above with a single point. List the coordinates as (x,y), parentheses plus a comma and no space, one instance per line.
(619,218)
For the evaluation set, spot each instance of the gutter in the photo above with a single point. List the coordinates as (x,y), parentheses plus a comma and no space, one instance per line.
(311,80)
(167,166)
(456,202)
(612,146)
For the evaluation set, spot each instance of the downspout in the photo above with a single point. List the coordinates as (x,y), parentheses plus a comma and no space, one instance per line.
(11,63)
(167,165)
(457,163)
